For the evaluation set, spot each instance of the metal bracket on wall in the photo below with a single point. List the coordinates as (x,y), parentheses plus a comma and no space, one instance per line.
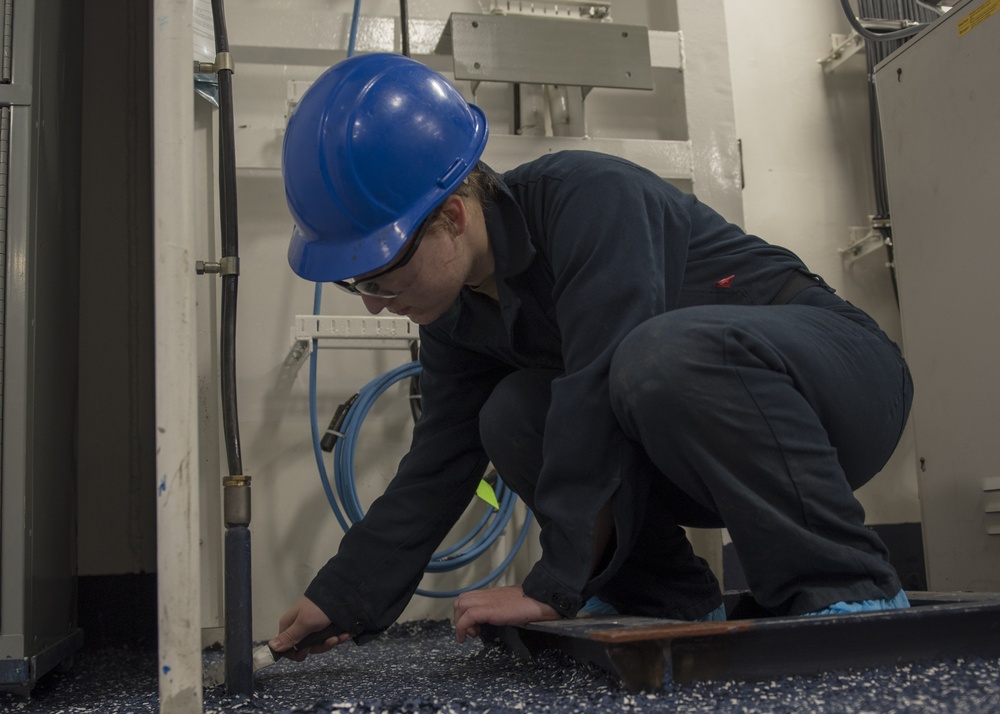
(544,50)
(865,240)
(358,332)
(843,48)
(348,332)
(598,10)
(647,653)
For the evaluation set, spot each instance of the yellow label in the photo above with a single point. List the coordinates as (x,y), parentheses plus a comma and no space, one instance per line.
(977,16)
(486,492)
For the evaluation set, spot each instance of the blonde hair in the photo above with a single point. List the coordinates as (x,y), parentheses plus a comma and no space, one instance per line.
(478,186)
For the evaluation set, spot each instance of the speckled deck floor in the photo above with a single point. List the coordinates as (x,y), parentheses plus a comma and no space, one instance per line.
(418,667)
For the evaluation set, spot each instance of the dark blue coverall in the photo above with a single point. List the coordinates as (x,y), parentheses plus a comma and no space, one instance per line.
(645,352)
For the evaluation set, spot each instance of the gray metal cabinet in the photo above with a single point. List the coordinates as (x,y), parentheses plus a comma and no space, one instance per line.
(39,249)
(940,113)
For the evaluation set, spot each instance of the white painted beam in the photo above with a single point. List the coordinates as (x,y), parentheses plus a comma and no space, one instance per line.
(177,531)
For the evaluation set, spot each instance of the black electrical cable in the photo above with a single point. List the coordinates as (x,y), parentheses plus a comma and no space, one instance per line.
(237,558)
(517,107)
(404,26)
(230,245)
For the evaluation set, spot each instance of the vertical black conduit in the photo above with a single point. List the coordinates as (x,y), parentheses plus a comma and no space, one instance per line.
(236,486)
(404,28)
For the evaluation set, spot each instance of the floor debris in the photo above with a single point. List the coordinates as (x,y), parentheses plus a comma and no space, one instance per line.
(417,667)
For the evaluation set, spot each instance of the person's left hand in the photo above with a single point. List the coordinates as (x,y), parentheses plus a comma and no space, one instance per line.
(498,606)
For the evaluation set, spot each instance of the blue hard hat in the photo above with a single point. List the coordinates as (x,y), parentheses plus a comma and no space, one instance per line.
(374,145)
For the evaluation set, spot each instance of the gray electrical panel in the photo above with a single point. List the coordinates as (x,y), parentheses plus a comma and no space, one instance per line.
(39,246)
(940,115)
(522,48)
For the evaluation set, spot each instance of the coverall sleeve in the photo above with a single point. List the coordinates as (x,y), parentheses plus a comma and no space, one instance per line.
(381,559)
(617,243)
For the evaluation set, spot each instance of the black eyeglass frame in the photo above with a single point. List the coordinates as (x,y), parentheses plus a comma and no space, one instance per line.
(357,287)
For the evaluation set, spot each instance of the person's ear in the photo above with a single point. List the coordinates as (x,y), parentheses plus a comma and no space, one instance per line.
(456,214)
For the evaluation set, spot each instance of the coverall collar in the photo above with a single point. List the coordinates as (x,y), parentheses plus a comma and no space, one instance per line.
(507,230)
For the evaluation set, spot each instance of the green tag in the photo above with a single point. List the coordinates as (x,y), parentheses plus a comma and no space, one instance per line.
(485,492)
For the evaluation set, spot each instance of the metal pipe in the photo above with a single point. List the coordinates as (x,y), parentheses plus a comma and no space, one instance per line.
(236,488)
(177,522)
(230,242)
(566,110)
(558,96)
(236,501)
(404,24)
(532,110)
(239,642)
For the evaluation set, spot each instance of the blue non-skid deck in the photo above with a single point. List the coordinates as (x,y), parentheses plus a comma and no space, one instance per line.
(418,667)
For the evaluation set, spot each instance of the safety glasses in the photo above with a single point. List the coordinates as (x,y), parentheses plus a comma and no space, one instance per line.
(369,286)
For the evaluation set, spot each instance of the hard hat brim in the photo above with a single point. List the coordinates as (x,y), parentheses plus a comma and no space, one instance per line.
(373,147)
(326,261)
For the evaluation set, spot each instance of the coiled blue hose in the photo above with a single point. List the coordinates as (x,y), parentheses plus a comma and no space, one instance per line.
(471,546)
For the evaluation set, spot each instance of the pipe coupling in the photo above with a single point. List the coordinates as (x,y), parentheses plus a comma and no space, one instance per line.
(223,61)
(230,265)
(236,500)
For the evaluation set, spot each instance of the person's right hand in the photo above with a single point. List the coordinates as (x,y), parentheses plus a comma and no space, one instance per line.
(303,619)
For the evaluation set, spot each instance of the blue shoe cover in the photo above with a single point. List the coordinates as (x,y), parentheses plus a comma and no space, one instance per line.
(597,606)
(716,615)
(899,602)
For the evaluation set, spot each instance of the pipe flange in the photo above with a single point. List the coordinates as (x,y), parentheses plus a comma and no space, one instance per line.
(236,501)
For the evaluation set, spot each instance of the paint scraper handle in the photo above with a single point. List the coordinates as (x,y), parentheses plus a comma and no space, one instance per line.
(264,656)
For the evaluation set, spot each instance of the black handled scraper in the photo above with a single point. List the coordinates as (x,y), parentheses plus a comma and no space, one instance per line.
(264,656)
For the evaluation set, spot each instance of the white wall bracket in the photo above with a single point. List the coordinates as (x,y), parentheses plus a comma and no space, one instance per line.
(843,48)
(349,332)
